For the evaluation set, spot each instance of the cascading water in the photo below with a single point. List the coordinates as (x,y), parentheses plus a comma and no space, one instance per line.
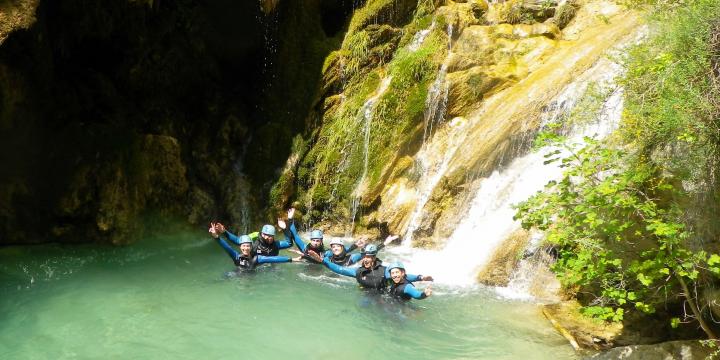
(419,37)
(433,170)
(489,219)
(366,114)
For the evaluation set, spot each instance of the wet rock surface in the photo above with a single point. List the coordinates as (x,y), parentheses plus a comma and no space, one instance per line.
(672,350)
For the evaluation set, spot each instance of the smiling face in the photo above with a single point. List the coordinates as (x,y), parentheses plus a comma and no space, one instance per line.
(337,249)
(245,249)
(368,261)
(397,275)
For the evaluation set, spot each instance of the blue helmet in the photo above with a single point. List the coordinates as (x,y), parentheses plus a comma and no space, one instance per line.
(370,250)
(268,230)
(244,239)
(394,265)
(316,234)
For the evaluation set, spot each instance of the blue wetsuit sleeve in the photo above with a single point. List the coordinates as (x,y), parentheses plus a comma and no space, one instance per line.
(342,270)
(229,250)
(298,241)
(415,293)
(355,258)
(412,277)
(261,259)
(232,237)
(288,242)
(328,254)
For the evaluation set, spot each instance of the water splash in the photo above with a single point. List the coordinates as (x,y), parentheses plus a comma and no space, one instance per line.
(366,114)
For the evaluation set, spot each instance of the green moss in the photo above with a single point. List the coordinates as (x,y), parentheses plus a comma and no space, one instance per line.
(392,12)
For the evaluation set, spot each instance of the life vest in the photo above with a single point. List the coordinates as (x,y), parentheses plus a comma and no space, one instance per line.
(342,259)
(373,278)
(262,248)
(246,263)
(397,291)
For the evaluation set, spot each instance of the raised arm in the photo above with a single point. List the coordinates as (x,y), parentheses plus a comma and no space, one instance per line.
(298,241)
(342,270)
(228,249)
(232,237)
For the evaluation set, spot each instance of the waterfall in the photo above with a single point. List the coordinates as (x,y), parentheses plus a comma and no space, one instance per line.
(420,36)
(365,114)
(489,219)
(434,115)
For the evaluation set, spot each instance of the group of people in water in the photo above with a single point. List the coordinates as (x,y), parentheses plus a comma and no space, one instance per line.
(369,271)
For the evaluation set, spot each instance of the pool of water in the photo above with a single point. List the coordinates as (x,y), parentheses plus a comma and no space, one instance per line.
(171,297)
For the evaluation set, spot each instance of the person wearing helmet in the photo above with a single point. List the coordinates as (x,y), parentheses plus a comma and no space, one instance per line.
(311,251)
(340,254)
(400,287)
(245,259)
(371,273)
(264,241)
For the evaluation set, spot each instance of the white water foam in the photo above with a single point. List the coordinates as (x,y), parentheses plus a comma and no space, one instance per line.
(489,220)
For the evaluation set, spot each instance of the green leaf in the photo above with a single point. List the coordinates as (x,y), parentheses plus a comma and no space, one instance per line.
(644,279)
(674,322)
(714,259)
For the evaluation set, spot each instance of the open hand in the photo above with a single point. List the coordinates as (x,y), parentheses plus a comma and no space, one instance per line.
(314,255)
(291,213)
(426,278)
(296,251)
(390,239)
(212,230)
(428,291)
(282,224)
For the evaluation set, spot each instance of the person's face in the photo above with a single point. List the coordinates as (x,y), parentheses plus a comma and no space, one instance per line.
(337,249)
(245,249)
(368,261)
(397,275)
(315,243)
(267,238)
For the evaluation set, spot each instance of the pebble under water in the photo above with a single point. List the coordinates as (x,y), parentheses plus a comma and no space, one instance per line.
(171,297)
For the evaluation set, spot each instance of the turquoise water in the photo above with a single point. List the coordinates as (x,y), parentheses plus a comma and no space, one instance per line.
(170,297)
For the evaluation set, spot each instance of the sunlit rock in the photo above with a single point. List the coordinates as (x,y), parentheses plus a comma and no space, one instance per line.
(498,270)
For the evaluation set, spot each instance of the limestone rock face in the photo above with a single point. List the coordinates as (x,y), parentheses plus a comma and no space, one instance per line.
(501,266)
